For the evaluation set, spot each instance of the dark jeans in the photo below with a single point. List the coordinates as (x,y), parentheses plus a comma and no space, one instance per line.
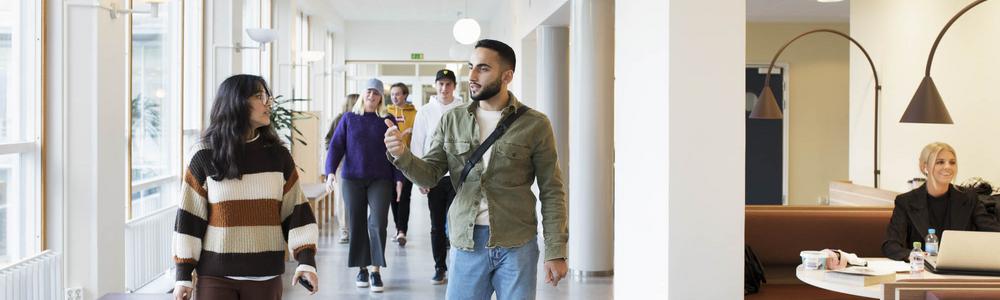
(438,200)
(367,246)
(221,288)
(401,209)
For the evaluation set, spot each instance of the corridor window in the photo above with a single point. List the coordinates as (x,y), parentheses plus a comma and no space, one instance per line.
(20,116)
(300,66)
(154,103)
(256,14)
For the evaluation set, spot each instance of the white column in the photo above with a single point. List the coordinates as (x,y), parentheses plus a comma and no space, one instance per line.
(94,151)
(553,85)
(679,140)
(591,138)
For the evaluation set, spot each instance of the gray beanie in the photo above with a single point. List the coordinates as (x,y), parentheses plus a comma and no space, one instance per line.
(375,84)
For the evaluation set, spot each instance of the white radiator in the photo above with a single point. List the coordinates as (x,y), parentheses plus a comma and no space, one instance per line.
(147,247)
(35,278)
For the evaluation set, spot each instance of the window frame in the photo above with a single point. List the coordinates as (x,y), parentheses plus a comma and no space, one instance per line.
(172,177)
(28,206)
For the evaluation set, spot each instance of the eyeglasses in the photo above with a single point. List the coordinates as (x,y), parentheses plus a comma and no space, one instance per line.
(264,98)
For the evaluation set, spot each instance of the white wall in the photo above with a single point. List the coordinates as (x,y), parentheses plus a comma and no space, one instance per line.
(816,113)
(684,185)
(395,40)
(514,24)
(86,169)
(899,35)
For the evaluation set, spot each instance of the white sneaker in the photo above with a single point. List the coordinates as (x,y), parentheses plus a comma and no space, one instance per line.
(401,239)
(344,237)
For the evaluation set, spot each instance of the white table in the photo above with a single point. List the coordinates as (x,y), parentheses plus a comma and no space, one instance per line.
(817,278)
(319,201)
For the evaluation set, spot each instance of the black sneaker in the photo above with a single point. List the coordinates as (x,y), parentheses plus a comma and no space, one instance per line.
(440,276)
(362,280)
(377,282)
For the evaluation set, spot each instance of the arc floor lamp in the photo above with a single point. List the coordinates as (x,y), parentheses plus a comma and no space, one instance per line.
(926,105)
(767,106)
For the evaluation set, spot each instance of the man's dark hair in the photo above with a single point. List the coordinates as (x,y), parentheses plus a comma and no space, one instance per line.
(402,86)
(506,53)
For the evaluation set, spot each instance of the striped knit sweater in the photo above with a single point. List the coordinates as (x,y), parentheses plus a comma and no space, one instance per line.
(241,227)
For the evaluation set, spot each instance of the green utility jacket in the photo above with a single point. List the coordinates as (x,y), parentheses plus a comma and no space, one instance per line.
(525,152)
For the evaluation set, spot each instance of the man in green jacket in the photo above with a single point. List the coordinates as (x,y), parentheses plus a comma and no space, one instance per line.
(492,221)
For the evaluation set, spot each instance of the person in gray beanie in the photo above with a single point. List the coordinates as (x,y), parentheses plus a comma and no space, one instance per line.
(367,181)
(375,84)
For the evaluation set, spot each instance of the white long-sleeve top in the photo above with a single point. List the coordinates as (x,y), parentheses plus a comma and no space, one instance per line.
(426,122)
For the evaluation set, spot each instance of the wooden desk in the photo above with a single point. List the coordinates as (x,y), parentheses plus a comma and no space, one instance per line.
(817,278)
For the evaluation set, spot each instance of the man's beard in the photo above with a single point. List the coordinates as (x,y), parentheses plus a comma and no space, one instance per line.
(488,91)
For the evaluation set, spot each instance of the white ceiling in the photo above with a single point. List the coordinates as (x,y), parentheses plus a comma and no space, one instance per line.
(797,11)
(411,10)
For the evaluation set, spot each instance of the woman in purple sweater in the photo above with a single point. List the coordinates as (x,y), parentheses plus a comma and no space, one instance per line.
(367,179)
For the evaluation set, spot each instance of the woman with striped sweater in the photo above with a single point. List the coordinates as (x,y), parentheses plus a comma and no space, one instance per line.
(241,204)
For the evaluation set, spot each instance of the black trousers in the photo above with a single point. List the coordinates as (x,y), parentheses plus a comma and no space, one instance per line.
(401,209)
(438,201)
(368,209)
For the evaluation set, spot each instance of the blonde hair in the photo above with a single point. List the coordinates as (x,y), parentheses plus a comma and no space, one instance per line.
(380,110)
(349,104)
(930,154)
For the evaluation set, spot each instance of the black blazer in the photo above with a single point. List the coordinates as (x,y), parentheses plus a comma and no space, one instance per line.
(909,222)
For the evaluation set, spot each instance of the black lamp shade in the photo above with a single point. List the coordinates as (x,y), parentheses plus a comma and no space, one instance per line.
(766,106)
(926,105)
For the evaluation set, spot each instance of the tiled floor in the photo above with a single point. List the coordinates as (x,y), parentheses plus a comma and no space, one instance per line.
(410,268)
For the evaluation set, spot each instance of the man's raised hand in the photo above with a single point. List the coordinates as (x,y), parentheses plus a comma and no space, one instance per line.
(394,139)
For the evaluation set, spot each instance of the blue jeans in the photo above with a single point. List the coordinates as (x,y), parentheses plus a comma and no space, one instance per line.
(510,272)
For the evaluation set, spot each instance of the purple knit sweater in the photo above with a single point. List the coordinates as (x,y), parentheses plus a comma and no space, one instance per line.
(358,141)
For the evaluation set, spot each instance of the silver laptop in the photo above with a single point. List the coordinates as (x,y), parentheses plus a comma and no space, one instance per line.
(967,253)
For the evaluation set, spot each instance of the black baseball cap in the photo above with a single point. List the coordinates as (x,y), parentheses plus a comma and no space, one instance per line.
(445,73)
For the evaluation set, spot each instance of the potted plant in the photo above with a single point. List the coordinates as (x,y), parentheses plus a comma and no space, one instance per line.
(283,117)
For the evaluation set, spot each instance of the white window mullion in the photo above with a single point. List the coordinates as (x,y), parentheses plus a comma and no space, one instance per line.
(22,147)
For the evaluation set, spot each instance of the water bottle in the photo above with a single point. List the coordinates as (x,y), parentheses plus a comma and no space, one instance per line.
(916,259)
(931,243)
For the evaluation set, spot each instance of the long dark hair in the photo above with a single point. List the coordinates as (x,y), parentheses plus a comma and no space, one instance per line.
(230,121)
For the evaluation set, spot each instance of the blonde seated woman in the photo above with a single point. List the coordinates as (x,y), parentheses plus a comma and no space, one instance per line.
(937,204)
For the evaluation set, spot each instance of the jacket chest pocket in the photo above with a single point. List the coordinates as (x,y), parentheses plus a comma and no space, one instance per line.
(513,164)
(458,150)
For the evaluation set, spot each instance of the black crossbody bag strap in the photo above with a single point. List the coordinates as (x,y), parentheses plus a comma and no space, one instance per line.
(499,131)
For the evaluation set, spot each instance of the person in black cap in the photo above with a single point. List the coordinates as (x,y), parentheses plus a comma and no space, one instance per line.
(439,197)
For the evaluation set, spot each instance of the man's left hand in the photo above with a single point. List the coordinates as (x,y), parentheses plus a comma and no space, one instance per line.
(555,270)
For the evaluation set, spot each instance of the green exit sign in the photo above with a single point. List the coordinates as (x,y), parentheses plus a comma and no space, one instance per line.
(416,55)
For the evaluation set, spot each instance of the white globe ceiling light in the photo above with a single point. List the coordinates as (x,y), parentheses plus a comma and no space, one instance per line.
(466,31)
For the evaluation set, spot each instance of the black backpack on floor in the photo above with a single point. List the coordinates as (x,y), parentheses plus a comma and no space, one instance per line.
(753,272)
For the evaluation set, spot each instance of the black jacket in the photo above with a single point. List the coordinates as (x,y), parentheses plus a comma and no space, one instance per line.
(910,220)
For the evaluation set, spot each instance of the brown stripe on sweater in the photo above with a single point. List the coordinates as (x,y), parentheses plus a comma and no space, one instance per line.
(298,249)
(301,216)
(178,260)
(194,184)
(292,180)
(262,212)
(306,256)
(242,264)
(190,224)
